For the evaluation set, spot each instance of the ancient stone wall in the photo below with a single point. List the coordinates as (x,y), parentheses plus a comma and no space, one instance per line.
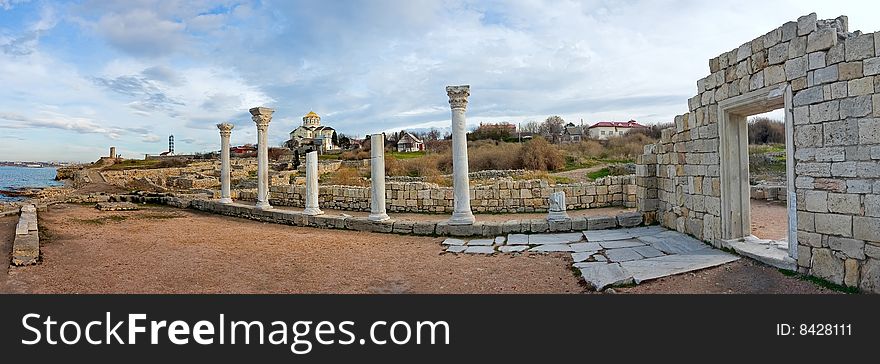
(834,78)
(502,196)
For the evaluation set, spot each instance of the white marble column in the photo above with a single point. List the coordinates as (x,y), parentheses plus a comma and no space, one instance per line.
(461,213)
(262,116)
(225,132)
(377,178)
(312,185)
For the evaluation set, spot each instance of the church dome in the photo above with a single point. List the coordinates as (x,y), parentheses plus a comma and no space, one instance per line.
(311,119)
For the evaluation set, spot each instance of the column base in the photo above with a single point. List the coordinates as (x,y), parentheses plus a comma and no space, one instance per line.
(462,218)
(226,200)
(312,211)
(263,205)
(378,217)
(557,216)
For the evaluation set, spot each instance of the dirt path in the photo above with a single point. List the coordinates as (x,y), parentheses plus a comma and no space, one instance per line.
(165,250)
(579,175)
(769,219)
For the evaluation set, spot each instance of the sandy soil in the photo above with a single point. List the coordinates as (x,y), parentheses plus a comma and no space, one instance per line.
(159,250)
(769,219)
(742,276)
(166,250)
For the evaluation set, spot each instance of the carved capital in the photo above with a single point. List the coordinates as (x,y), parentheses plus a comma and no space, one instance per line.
(261,116)
(225,129)
(458,96)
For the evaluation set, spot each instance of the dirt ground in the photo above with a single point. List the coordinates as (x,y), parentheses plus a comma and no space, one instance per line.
(166,250)
(769,219)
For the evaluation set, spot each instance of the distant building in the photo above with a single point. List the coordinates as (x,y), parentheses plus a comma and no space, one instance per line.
(573,133)
(311,135)
(243,150)
(409,143)
(607,129)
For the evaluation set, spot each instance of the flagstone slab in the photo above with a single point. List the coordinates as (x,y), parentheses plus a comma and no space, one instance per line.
(499,240)
(456,249)
(622,255)
(648,251)
(675,243)
(562,238)
(667,265)
(615,244)
(602,275)
(512,248)
(551,248)
(585,247)
(600,258)
(480,250)
(481,242)
(452,241)
(582,265)
(517,239)
(580,256)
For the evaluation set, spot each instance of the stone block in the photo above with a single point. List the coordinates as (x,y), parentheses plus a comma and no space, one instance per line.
(844,169)
(816,60)
(838,90)
(858,106)
(870,276)
(843,132)
(796,67)
(812,95)
(834,224)
(872,205)
(851,275)
(816,201)
(797,48)
(423,228)
(825,75)
(821,40)
(869,129)
(861,86)
(843,203)
(852,248)
(811,239)
(777,54)
(871,66)
(826,265)
(601,222)
(859,47)
(825,111)
(806,136)
(806,24)
(850,71)
(866,228)
(804,256)
(789,31)
(630,219)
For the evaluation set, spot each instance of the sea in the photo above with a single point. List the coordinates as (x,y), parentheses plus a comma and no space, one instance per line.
(23,177)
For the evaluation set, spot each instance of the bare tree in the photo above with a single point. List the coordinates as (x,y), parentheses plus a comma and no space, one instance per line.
(530,127)
(552,128)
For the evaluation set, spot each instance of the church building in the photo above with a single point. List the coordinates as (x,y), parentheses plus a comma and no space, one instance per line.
(311,135)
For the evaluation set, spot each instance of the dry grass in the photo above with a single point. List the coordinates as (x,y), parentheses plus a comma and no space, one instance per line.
(345,176)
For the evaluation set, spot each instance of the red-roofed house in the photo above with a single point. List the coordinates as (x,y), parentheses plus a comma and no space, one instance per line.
(607,129)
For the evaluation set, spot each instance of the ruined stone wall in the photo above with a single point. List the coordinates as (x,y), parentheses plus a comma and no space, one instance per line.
(834,77)
(196,175)
(501,196)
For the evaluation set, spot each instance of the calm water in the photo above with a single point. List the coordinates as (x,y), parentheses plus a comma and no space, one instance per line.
(17,177)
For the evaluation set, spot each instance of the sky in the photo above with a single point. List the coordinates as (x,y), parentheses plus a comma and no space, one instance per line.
(78,77)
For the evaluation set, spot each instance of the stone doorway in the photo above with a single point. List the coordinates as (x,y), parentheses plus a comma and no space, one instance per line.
(734,172)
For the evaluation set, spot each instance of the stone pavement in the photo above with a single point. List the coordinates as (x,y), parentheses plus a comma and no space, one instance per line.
(609,257)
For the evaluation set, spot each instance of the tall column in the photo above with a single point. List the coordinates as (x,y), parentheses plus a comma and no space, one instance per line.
(461,213)
(312,185)
(377,178)
(262,116)
(225,132)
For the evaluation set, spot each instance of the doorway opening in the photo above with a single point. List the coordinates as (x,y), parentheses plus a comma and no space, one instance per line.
(758,229)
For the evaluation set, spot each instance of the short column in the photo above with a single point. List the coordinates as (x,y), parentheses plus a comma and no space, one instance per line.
(377,178)
(312,185)
(262,116)
(225,132)
(461,213)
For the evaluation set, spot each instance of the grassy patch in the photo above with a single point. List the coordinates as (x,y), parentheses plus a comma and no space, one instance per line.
(598,174)
(405,155)
(820,282)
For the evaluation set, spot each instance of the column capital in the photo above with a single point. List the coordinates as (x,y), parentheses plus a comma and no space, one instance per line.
(225,129)
(458,96)
(261,116)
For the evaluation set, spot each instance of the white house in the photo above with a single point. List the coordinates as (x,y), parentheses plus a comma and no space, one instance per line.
(607,129)
(409,143)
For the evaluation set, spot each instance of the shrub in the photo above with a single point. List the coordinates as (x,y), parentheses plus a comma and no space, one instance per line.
(345,176)
(764,130)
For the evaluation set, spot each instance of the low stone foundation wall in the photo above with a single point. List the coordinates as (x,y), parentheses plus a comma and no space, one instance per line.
(766,192)
(429,228)
(26,246)
(503,196)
